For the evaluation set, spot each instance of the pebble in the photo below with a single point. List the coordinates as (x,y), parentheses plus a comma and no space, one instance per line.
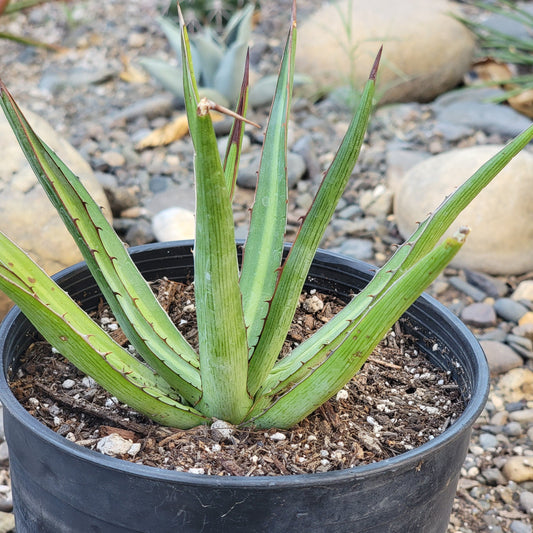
(277,437)
(518,526)
(524,416)
(68,384)
(475,293)
(358,248)
(527,320)
(488,441)
(524,291)
(501,358)
(113,159)
(513,429)
(526,502)
(489,285)
(509,309)
(114,445)
(479,315)
(488,117)
(519,469)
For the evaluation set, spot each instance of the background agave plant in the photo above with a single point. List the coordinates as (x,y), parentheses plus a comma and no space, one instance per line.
(206,12)
(218,58)
(243,311)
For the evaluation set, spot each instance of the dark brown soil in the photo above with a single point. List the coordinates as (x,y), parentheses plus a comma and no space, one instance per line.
(396,403)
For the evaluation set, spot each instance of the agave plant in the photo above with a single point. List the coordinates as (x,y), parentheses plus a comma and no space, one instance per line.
(243,311)
(218,59)
(196,13)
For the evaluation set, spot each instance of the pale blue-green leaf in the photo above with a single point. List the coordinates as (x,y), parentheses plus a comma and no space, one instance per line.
(166,74)
(230,71)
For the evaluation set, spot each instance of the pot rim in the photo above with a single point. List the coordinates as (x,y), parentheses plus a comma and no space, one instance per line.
(403,461)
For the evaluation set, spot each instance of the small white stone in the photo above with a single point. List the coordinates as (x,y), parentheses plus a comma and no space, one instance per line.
(277,437)
(88,382)
(342,395)
(196,471)
(313,304)
(114,444)
(68,384)
(222,430)
(111,402)
(135,448)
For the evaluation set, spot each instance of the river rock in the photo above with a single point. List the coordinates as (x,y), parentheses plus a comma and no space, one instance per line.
(173,224)
(518,469)
(27,215)
(426,51)
(501,358)
(524,291)
(516,385)
(501,217)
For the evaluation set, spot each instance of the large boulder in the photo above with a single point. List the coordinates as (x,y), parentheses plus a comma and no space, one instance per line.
(28,218)
(426,51)
(501,217)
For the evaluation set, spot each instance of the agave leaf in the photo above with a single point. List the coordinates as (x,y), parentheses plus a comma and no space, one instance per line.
(233,149)
(167,75)
(141,317)
(221,330)
(172,33)
(311,352)
(264,245)
(230,70)
(297,263)
(342,363)
(239,27)
(210,56)
(75,335)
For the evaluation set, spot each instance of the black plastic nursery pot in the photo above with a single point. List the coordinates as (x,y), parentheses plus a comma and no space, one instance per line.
(59,486)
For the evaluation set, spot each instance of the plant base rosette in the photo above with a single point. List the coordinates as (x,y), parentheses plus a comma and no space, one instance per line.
(59,486)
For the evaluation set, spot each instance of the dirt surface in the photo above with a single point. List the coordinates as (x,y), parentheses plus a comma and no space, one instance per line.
(396,403)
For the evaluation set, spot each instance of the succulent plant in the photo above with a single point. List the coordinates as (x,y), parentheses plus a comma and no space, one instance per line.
(243,311)
(218,59)
(206,12)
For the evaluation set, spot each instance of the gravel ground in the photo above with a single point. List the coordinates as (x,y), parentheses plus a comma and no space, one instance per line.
(81,93)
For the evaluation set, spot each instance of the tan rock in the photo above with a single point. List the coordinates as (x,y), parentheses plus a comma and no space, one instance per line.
(173,224)
(518,469)
(524,291)
(516,385)
(501,217)
(426,51)
(27,215)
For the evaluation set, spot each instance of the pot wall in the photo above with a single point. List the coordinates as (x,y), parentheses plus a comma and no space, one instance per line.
(61,487)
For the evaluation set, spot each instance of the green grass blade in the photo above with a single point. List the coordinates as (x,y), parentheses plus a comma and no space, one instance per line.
(221,331)
(76,336)
(297,264)
(264,245)
(139,314)
(343,362)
